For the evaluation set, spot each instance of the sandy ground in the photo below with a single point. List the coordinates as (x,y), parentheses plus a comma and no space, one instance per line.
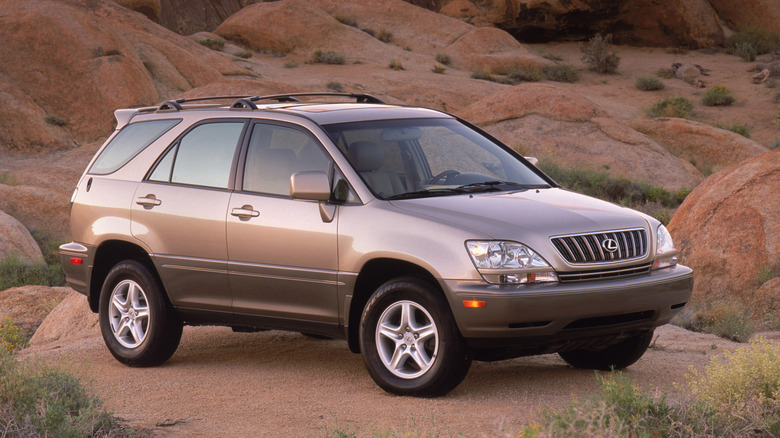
(285,384)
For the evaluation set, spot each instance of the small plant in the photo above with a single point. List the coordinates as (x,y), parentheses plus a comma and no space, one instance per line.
(526,75)
(329,57)
(384,35)
(335,86)
(245,54)
(768,272)
(290,64)
(56,121)
(671,107)
(396,65)
(722,318)
(212,44)
(739,128)
(438,69)
(479,74)
(443,59)
(8,178)
(552,57)
(599,56)
(345,20)
(717,95)
(746,51)
(649,83)
(760,40)
(665,73)
(14,273)
(561,73)
(11,335)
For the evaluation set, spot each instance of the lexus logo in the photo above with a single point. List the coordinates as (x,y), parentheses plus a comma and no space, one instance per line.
(610,245)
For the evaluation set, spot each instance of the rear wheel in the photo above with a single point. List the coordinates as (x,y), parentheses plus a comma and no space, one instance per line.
(409,340)
(618,356)
(137,322)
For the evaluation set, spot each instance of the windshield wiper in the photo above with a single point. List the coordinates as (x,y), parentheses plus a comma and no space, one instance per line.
(494,186)
(438,191)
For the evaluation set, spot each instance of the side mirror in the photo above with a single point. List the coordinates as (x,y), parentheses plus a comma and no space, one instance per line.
(311,186)
(532,160)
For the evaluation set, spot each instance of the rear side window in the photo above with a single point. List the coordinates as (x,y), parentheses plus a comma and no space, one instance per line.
(131,140)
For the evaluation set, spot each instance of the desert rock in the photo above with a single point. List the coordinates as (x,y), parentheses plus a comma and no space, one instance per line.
(71,319)
(28,306)
(728,228)
(16,240)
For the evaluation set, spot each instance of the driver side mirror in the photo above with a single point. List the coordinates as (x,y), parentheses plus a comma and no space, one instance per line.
(313,186)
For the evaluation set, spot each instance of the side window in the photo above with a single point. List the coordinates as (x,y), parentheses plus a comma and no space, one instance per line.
(131,140)
(275,153)
(203,157)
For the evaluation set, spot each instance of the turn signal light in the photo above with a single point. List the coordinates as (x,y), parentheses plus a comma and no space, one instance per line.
(474,304)
(77,260)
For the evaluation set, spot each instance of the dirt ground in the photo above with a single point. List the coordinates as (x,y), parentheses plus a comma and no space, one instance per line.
(285,384)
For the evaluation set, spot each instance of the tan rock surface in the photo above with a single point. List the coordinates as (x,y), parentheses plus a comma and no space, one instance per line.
(16,240)
(738,14)
(707,147)
(150,8)
(556,124)
(728,228)
(71,319)
(186,17)
(28,306)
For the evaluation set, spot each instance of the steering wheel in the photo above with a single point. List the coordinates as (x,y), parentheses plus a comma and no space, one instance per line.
(443,176)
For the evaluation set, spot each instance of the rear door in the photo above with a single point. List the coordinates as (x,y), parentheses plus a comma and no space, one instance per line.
(282,256)
(179,213)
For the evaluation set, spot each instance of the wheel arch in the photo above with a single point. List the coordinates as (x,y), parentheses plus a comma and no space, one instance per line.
(108,254)
(373,274)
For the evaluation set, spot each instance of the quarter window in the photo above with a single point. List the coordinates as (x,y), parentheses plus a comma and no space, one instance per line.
(131,140)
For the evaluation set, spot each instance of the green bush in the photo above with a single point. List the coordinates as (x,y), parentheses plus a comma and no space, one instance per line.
(396,65)
(335,86)
(56,121)
(438,69)
(739,128)
(290,64)
(212,44)
(14,273)
(599,56)
(649,83)
(384,35)
(329,57)
(671,107)
(8,178)
(665,73)
(526,75)
(561,73)
(746,51)
(479,74)
(443,59)
(11,335)
(759,39)
(726,319)
(717,95)
(245,54)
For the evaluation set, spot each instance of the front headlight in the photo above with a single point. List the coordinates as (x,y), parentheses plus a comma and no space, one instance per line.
(502,262)
(665,252)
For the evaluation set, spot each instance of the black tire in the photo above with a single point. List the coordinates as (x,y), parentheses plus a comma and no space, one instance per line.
(618,356)
(436,361)
(134,339)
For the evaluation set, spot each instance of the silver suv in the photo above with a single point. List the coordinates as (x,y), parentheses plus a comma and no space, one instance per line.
(417,237)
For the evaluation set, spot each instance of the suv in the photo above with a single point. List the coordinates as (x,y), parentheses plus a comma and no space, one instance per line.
(414,235)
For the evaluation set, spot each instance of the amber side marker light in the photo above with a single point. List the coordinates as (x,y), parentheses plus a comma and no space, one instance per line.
(474,304)
(77,260)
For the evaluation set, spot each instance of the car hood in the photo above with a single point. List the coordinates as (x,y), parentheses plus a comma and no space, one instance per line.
(527,215)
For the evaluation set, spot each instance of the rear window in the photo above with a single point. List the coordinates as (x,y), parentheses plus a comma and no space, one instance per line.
(131,140)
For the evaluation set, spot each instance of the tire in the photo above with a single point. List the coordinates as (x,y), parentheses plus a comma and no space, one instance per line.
(617,356)
(138,324)
(407,320)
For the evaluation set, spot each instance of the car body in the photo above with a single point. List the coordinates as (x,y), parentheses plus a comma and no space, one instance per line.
(418,238)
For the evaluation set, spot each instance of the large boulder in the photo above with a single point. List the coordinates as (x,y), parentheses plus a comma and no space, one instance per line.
(28,306)
(71,319)
(150,8)
(66,66)
(491,50)
(738,14)
(550,122)
(728,228)
(705,146)
(186,17)
(15,240)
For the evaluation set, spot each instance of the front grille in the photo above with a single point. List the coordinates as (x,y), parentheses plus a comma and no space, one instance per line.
(605,274)
(589,248)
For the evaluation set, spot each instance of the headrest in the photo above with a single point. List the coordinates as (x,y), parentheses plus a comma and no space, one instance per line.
(366,156)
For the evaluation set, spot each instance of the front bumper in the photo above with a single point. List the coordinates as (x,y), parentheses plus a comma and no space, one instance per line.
(561,313)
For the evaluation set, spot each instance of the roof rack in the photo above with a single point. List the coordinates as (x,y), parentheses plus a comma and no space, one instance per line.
(248,102)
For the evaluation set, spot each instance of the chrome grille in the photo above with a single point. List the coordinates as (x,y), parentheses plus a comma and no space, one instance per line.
(588,248)
(605,274)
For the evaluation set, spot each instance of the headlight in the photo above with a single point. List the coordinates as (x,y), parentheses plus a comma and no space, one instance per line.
(501,262)
(665,252)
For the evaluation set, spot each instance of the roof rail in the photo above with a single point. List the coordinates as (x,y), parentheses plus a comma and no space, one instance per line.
(247,102)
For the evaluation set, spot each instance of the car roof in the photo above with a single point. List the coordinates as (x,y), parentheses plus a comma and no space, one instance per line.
(365,108)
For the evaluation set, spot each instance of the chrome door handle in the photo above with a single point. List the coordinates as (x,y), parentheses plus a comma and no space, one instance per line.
(245,212)
(148,201)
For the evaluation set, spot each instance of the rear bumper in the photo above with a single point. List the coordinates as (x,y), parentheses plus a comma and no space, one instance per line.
(547,318)
(76,260)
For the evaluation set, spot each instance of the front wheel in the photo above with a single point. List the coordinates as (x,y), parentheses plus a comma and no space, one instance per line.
(618,356)
(409,340)
(138,325)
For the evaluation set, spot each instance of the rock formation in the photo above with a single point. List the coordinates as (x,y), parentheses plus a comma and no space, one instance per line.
(16,240)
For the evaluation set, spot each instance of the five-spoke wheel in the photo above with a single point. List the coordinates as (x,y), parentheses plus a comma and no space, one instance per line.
(407,339)
(129,314)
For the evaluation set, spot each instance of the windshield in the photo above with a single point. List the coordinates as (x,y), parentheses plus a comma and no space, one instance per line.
(408,158)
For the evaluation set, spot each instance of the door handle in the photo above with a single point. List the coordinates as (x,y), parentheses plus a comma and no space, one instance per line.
(245,212)
(148,201)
